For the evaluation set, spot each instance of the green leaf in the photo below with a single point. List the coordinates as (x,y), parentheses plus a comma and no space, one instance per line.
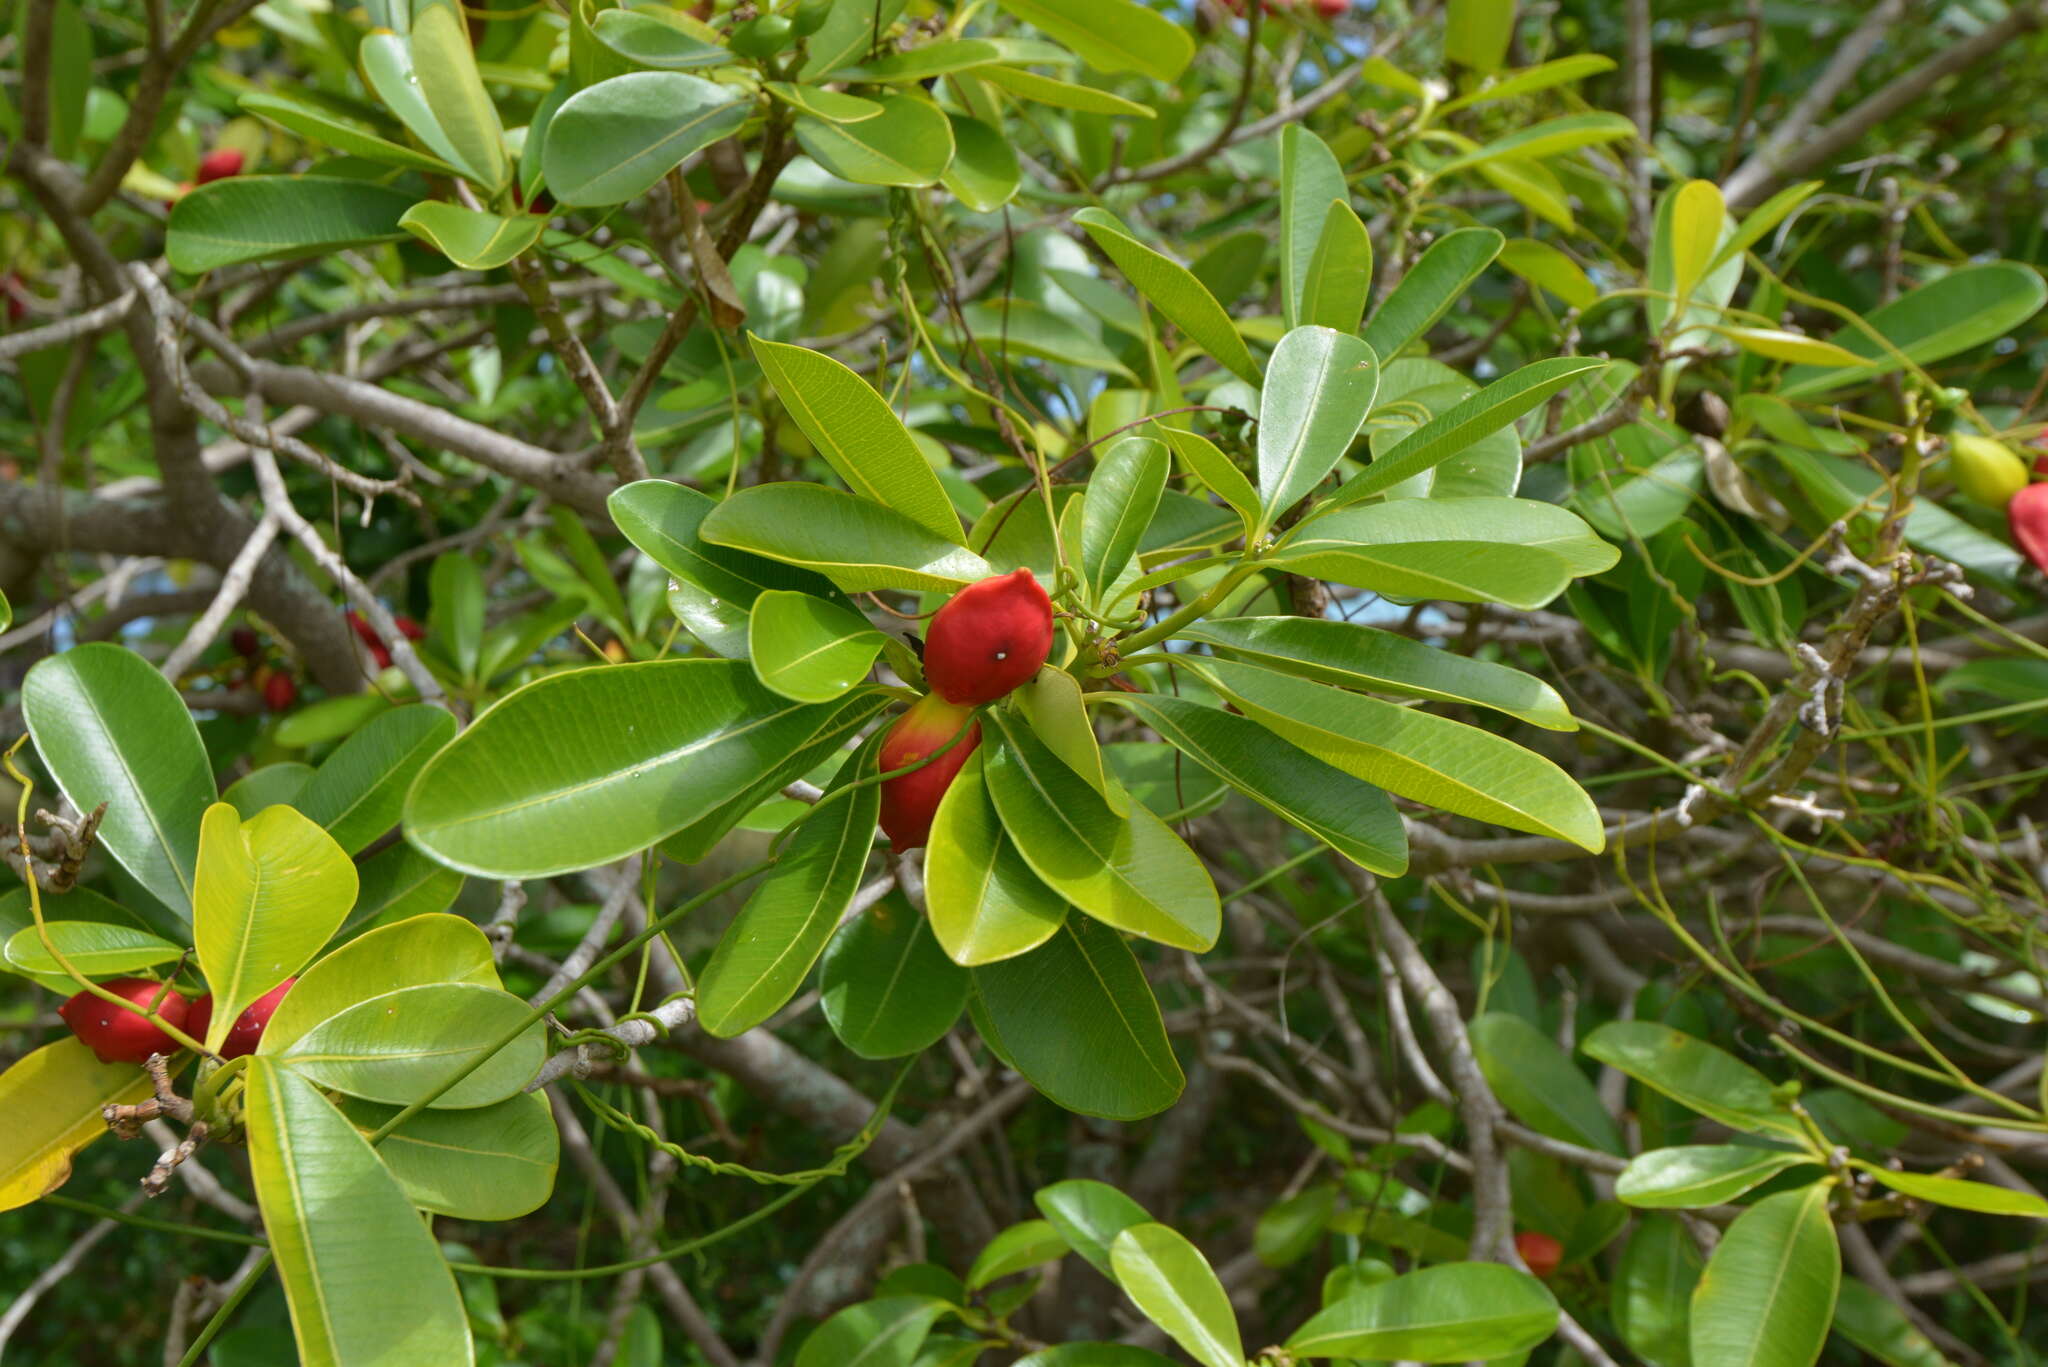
(1768,1293)
(1351,816)
(1762,219)
(910,143)
(1539,1085)
(1688,1176)
(111,729)
(496,1162)
(1122,496)
(446,65)
(1289,1229)
(404,1045)
(323,125)
(851,29)
(1077,1018)
(1208,464)
(52,1098)
(767,952)
(1694,235)
(1545,139)
(1539,263)
(1453,1312)
(809,649)
(1019,1248)
(1693,1073)
(1476,33)
(1021,328)
(1094,1355)
(276,218)
(388,69)
(1652,1298)
(859,436)
(399,883)
(358,793)
(268,786)
(1056,710)
(1172,1283)
(612,141)
(1112,35)
(882,1333)
(1797,347)
(1429,288)
(834,106)
(583,767)
(1967,307)
(1981,1197)
(98,949)
(984,902)
(364,1278)
(1367,658)
(1130,872)
(1319,386)
(984,174)
(664,520)
(456,619)
(269,893)
(1463,423)
(886,987)
(856,543)
(1543,76)
(1338,284)
(1417,755)
(1869,1321)
(471,238)
(1515,551)
(923,62)
(420,952)
(1173,290)
(1311,185)
(1089,1216)
(647,39)
(1086,99)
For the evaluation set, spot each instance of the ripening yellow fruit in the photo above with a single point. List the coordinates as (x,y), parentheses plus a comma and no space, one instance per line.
(1986,470)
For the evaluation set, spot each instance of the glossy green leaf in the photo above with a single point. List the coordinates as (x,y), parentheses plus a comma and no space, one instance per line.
(1311,182)
(1089,1215)
(1868,1320)
(402,1046)
(984,901)
(1056,709)
(583,767)
(859,436)
(647,39)
(1539,263)
(809,649)
(275,218)
(1122,496)
(880,1333)
(1112,35)
(664,519)
(1019,1248)
(1693,1073)
(924,61)
(856,543)
(1094,1355)
(1768,1293)
(1086,99)
(1546,139)
(886,987)
(324,125)
(1319,386)
(910,143)
(1354,656)
(833,106)
(1338,283)
(454,91)
(1462,424)
(389,69)
(419,952)
(1516,551)
(496,1162)
(1131,872)
(1014,329)
(1077,1018)
(1430,287)
(1207,463)
(1172,289)
(984,173)
(269,893)
(1476,32)
(364,1278)
(1688,1176)
(111,729)
(79,904)
(1172,1283)
(1417,755)
(1452,1312)
(1539,1084)
(359,791)
(268,786)
(52,1098)
(1543,76)
(1981,1197)
(1695,224)
(1651,1302)
(98,949)
(1352,816)
(1762,219)
(399,883)
(612,141)
(471,238)
(1967,307)
(767,952)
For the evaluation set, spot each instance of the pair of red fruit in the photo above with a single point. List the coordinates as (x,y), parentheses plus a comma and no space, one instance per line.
(989,638)
(380,655)
(118,1036)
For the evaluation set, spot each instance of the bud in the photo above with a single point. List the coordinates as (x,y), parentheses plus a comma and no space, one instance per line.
(219,164)
(988,638)
(1540,1252)
(118,1036)
(909,802)
(247,1030)
(2027,515)
(1986,470)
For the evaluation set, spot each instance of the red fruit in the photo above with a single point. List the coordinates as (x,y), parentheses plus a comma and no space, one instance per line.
(12,286)
(1541,1252)
(245,643)
(2027,515)
(118,1036)
(409,629)
(988,638)
(219,164)
(1331,9)
(279,691)
(910,802)
(248,1027)
(367,634)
